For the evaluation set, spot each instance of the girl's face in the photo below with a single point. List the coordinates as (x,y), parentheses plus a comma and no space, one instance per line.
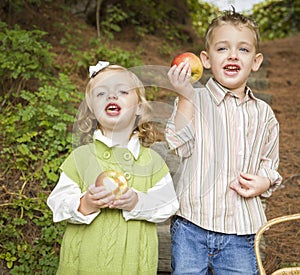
(114,101)
(232,56)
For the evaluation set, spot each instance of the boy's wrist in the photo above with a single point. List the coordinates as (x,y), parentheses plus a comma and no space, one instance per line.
(186,95)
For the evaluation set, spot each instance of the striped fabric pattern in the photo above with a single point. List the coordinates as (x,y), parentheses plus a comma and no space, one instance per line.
(226,137)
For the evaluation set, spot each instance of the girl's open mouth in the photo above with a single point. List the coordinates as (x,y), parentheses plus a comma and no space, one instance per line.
(113,109)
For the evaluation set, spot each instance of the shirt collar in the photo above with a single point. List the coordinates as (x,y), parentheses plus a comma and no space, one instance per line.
(219,92)
(133,145)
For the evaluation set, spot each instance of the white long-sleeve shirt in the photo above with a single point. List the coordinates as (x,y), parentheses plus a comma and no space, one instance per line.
(155,205)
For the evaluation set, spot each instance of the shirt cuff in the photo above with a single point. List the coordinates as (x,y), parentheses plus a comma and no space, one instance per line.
(157,204)
(274,178)
(77,217)
(64,202)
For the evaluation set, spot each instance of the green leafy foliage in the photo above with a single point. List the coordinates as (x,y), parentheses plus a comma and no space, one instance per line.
(277,19)
(36,112)
(23,54)
(35,129)
(201,14)
(156,16)
(146,17)
(114,14)
(100,51)
(26,251)
(17,5)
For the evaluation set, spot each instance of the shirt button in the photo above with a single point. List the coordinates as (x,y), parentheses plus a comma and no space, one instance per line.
(127,156)
(106,155)
(127,175)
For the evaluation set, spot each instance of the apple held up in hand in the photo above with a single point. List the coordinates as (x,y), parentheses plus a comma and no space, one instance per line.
(194,61)
(113,181)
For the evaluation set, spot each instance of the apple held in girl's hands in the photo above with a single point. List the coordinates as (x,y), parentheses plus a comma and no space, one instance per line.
(194,61)
(113,181)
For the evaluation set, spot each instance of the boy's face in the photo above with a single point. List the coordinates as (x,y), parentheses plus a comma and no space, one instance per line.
(232,56)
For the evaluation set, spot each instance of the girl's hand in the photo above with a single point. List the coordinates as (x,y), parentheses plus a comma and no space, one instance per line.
(94,199)
(127,201)
(180,78)
(251,185)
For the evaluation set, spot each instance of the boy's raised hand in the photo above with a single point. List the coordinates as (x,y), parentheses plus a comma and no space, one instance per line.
(180,78)
(251,185)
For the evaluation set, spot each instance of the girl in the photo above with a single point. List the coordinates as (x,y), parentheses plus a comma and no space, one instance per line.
(105,234)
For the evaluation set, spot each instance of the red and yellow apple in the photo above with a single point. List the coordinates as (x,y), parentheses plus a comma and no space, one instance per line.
(194,61)
(113,181)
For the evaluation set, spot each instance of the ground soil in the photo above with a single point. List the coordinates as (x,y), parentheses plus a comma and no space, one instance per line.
(283,69)
(283,243)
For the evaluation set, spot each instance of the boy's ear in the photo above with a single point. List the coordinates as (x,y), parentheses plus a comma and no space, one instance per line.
(205,59)
(258,59)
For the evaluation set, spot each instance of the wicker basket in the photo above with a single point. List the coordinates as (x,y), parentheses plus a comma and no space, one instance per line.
(258,237)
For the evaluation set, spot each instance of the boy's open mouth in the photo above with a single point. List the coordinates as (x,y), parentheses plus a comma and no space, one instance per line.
(232,68)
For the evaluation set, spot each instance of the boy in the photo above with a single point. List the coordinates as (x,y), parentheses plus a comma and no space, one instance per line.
(229,142)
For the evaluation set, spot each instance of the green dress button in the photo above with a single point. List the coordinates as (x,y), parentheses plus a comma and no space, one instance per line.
(127,175)
(127,156)
(106,154)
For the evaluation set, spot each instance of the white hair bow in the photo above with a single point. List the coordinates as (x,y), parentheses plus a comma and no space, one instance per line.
(93,70)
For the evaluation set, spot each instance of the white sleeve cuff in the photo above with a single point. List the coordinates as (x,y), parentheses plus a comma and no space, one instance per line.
(64,202)
(157,204)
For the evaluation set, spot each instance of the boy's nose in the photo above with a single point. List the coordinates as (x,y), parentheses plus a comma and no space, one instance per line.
(233,55)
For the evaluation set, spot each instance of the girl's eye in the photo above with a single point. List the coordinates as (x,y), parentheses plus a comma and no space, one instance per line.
(123,92)
(220,49)
(100,93)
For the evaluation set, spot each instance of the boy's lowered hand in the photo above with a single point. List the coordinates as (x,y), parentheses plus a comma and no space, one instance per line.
(251,185)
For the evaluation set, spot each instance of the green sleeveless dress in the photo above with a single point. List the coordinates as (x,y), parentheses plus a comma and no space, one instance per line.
(111,245)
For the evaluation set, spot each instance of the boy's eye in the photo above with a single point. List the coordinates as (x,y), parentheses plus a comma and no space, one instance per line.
(221,49)
(244,50)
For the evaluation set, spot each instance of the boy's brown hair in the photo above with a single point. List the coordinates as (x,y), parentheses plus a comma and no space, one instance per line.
(236,19)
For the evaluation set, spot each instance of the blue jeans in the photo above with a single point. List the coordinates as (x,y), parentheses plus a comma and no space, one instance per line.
(198,251)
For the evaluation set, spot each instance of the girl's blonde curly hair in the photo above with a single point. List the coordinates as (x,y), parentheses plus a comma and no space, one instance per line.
(86,122)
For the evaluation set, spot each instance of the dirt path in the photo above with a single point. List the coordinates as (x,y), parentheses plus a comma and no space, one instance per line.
(283,241)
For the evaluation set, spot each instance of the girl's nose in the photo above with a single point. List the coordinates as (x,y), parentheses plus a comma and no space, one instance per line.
(112,96)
